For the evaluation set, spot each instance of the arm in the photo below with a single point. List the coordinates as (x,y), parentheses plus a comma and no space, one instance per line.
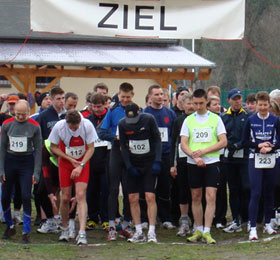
(174,143)
(37,142)
(3,150)
(124,149)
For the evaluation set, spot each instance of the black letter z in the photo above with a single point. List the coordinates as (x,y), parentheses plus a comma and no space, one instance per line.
(102,22)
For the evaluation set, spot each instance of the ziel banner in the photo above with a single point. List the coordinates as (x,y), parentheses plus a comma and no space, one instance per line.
(162,19)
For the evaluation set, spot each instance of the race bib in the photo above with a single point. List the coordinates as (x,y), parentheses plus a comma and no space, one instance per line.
(180,152)
(163,133)
(265,161)
(76,152)
(202,135)
(236,154)
(100,143)
(109,146)
(139,146)
(18,144)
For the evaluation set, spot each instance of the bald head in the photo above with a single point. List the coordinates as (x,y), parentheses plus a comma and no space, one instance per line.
(22,110)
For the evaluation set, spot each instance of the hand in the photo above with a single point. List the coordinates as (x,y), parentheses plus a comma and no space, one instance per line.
(173,172)
(73,204)
(3,178)
(53,200)
(132,171)
(156,168)
(197,154)
(199,162)
(76,172)
(264,144)
(74,162)
(265,150)
(3,98)
(33,180)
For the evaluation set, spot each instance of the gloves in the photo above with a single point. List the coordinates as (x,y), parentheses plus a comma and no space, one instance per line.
(132,171)
(156,168)
(231,150)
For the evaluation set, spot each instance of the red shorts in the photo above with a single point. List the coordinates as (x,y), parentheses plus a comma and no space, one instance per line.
(65,170)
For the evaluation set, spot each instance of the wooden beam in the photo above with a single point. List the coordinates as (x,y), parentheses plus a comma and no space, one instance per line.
(15,83)
(32,90)
(51,84)
(172,84)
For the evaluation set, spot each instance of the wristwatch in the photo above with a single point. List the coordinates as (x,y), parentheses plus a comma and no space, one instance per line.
(82,164)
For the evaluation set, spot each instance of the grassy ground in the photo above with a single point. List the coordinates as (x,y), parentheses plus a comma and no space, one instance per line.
(169,247)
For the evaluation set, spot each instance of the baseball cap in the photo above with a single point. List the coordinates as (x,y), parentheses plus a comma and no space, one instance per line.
(40,96)
(234,93)
(12,99)
(132,113)
(179,90)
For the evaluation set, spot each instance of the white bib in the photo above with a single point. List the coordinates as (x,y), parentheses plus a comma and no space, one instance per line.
(236,154)
(18,144)
(100,143)
(202,135)
(109,147)
(265,161)
(163,134)
(76,152)
(180,152)
(139,146)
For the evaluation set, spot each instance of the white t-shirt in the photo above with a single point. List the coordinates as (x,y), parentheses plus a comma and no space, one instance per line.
(201,119)
(62,132)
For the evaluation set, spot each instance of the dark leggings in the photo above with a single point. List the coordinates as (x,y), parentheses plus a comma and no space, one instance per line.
(21,168)
(266,179)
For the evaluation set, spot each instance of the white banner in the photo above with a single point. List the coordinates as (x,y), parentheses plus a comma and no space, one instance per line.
(163,19)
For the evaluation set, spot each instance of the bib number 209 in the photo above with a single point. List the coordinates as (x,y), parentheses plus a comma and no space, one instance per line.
(202,135)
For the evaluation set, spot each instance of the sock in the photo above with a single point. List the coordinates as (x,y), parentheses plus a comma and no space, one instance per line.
(72,223)
(138,228)
(57,217)
(184,219)
(152,229)
(82,232)
(200,228)
(206,229)
(253,228)
(125,224)
(112,224)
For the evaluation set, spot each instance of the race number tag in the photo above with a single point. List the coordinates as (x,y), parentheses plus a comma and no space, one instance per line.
(180,152)
(100,143)
(76,152)
(265,161)
(236,154)
(163,134)
(202,135)
(139,146)
(18,144)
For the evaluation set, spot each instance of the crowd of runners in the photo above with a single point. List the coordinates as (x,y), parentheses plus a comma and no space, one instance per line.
(173,159)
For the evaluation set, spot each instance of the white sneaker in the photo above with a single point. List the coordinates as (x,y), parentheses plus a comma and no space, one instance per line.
(273,223)
(248,226)
(48,227)
(269,230)
(137,238)
(58,221)
(64,236)
(168,225)
(152,237)
(145,225)
(232,227)
(277,217)
(18,219)
(253,236)
(82,239)
(220,226)
(184,229)
(72,232)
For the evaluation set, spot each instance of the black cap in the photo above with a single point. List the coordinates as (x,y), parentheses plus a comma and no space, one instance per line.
(132,113)
(234,93)
(40,96)
(179,90)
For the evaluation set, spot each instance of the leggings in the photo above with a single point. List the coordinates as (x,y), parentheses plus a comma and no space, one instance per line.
(266,179)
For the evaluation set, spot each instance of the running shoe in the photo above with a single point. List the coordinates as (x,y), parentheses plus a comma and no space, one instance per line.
(17,219)
(72,232)
(145,225)
(269,230)
(195,237)
(184,229)
(233,227)
(168,225)
(206,237)
(277,216)
(25,239)
(273,223)
(91,225)
(64,236)
(152,237)
(126,233)
(248,226)
(9,232)
(82,239)
(138,237)
(253,236)
(48,227)
(105,226)
(112,234)
(220,226)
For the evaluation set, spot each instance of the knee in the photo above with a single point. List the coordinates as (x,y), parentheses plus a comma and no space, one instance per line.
(150,198)
(80,196)
(196,198)
(65,198)
(133,199)
(211,198)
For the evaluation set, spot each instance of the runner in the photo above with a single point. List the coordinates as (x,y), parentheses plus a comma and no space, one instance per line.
(202,136)
(261,135)
(141,150)
(21,137)
(72,141)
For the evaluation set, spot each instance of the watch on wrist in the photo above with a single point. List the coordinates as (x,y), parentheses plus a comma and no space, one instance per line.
(82,164)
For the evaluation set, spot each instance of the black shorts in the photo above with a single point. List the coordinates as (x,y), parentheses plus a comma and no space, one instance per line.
(146,182)
(208,176)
